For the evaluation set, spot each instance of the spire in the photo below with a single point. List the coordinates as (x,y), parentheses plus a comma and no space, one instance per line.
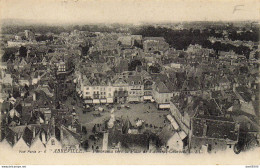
(112,119)
(52,126)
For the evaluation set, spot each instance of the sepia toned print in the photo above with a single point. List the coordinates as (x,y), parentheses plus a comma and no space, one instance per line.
(172,82)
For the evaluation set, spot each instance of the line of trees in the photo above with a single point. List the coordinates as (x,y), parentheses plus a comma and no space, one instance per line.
(181,39)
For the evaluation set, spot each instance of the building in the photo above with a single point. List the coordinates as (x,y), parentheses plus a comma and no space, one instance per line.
(29,35)
(245,99)
(171,140)
(125,41)
(121,90)
(155,44)
(214,133)
(136,88)
(7,79)
(162,95)
(61,66)
(198,119)
(95,90)
(148,90)
(43,137)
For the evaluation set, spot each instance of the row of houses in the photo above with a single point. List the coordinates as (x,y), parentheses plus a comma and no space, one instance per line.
(109,90)
(141,86)
(40,138)
(211,125)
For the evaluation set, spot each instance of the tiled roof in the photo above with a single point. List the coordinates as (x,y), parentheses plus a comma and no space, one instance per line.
(244,93)
(217,128)
(166,133)
(129,141)
(154,38)
(27,136)
(161,87)
(70,138)
(136,79)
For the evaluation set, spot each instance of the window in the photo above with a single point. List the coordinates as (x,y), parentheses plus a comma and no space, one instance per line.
(133,82)
(87,88)
(139,83)
(52,142)
(87,93)
(109,94)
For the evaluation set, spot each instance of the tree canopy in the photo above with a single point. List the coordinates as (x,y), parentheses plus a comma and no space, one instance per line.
(132,66)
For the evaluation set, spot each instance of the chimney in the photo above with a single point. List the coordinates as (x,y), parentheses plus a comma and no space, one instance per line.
(15,138)
(234,87)
(61,134)
(189,99)
(249,84)
(52,121)
(205,128)
(33,130)
(253,97)
(34,96)
(43,138)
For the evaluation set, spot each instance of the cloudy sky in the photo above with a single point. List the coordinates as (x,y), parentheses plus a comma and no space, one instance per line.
(129,11)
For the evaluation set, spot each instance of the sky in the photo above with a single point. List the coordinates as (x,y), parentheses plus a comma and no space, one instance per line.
(129,11)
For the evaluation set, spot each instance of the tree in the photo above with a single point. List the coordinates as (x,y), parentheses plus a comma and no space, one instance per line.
(85,144)
(138,45)
(84,130)
(256,55)
(19,108)
(84,49)
(9,53)
(243,69)
(154,69)
(217,46)
(94,129)
(23,51)
(132,66)
(16,93)
(92,137)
